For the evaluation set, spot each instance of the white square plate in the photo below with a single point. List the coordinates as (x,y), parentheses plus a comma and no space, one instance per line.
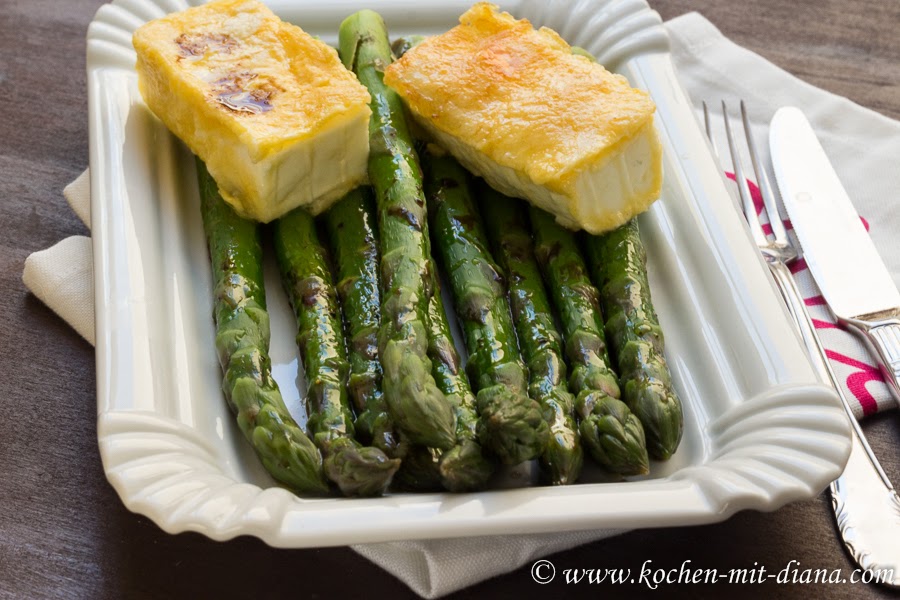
(760,430)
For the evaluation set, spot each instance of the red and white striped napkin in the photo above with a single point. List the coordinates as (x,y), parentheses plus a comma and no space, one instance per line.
(862,145)
(852,364)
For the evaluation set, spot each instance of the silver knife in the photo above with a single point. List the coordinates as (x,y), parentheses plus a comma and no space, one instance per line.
(866,507)
(844,262)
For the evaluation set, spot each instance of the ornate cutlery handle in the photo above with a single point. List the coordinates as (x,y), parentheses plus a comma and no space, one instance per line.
(865,505)
(883,338)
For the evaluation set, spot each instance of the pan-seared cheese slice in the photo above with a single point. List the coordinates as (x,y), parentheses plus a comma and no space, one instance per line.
(272,112)
(515,106)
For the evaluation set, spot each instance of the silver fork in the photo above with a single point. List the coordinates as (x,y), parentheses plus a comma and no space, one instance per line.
(780,252)
(865,505)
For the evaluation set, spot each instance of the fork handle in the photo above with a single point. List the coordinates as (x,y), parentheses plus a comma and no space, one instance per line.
(866,507)
(817,355)
(797,307)
(883,338)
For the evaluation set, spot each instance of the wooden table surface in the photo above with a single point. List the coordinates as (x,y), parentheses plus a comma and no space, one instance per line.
(63,531)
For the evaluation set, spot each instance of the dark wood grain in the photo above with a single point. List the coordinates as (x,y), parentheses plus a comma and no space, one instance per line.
(63,531)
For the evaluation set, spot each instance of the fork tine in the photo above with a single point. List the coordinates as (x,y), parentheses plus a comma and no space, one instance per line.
(746,199)
(709,134)
(765,188)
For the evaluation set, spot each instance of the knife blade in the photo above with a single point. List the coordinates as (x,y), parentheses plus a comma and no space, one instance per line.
(843,260)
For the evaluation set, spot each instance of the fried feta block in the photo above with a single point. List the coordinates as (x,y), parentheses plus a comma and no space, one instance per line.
(515,106)
(273,113)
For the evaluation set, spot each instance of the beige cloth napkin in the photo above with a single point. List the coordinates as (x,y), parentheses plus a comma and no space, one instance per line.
(862,144)
(62,275)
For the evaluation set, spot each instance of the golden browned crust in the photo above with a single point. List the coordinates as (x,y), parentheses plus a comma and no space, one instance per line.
(519,96)
(243,70)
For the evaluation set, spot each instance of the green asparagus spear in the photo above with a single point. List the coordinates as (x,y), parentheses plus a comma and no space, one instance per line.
(619,265)
(612,433)
(463,467)
(242,344)
(539,339)
(357,470)
(630,318)
(418,407)
(353,236)
(510,423)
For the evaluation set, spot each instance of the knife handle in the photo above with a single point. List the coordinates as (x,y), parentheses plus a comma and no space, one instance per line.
(883,337)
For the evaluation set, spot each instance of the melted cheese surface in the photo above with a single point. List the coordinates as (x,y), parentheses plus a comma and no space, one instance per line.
(252,95)
(514,104)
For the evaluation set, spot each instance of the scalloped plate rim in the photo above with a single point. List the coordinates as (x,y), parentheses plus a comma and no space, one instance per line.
(281,519)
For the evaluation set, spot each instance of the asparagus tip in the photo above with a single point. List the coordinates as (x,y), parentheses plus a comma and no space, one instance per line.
(419,408)
(359,470)
(563,457)
(511,424)
(293,461)
(464,468)
(613,434)
(663,419)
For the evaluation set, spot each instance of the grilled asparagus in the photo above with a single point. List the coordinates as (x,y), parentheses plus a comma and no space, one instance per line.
(612,433)
(619,265)
(242,344)
(357,470)
(418,407)
(510,423)
(353,236)
(540,341)
(463,467)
